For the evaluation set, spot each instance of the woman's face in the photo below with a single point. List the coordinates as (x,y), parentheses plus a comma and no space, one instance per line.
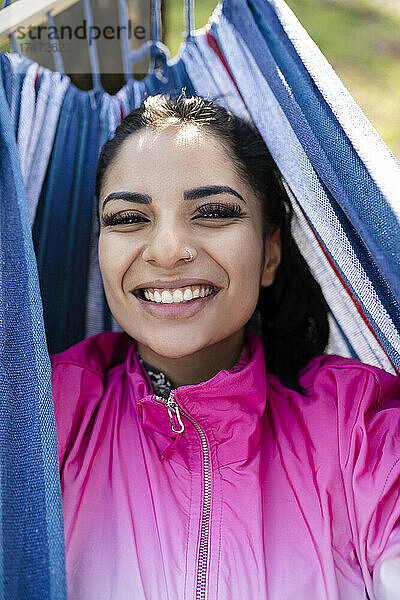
(166,192)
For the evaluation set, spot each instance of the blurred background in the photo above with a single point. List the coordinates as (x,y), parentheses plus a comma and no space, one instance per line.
(360,38)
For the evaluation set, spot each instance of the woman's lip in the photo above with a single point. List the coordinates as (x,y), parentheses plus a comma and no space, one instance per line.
(176,283)
(175,311)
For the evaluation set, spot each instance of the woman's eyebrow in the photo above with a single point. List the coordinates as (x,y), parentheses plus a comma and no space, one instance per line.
(211,190)
(129,196)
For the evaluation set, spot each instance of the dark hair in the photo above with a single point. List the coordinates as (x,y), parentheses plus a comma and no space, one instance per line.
(292,312)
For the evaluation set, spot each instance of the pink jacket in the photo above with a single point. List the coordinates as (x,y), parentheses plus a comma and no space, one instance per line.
(265,494)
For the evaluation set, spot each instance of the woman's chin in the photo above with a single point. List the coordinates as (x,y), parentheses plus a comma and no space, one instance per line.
(176,344)
(171,350)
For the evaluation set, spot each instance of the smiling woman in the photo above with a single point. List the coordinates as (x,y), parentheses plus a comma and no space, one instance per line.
(146,232)
(187,176)
(213,439)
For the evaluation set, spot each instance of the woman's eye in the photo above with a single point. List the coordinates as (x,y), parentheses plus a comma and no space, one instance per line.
(220,211)
(123,218)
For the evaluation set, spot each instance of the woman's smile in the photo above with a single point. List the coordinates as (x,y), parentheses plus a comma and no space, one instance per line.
(177,299)
(178,290)
(168,307)
(178,295)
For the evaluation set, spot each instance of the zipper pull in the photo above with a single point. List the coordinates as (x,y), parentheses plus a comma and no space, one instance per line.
(174,414)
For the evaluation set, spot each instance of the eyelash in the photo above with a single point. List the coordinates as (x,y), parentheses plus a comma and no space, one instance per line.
(215,210)
(124,218)
(220,210)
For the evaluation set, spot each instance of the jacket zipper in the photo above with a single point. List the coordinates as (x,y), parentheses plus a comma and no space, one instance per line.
(174,411)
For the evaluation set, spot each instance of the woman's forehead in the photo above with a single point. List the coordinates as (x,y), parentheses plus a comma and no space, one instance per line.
(186,137)
(182,155)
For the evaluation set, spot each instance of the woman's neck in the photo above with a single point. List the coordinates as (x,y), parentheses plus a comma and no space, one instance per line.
(197,367)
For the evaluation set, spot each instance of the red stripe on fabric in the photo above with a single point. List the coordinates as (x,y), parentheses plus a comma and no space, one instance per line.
(212,42)
(121,109)
(36,78)
(349,292)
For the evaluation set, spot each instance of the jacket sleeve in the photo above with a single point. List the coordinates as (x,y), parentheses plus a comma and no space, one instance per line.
(368,401)
(77,390)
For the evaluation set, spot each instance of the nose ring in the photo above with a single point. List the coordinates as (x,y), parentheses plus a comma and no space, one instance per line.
(190,257)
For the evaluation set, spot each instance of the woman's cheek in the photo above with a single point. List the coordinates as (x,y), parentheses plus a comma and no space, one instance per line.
(113,262)
(116,253)
(243,256)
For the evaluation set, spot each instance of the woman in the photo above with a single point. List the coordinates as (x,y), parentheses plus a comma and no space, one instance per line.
(212,450)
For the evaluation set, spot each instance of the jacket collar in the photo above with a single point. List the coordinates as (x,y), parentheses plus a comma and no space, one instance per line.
(228,407)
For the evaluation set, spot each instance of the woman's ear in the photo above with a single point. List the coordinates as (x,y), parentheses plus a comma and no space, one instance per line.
(272,258)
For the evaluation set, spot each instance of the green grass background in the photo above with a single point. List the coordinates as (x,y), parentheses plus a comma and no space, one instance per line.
(360,38)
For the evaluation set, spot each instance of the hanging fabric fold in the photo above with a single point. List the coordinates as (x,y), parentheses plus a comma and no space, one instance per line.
(209,76)
(329,145)
(31,522)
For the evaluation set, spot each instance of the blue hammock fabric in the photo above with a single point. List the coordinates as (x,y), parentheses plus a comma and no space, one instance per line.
(257,60)
(31,523)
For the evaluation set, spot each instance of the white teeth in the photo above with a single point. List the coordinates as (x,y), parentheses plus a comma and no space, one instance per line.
(177,296)
(149,295)
(166,297)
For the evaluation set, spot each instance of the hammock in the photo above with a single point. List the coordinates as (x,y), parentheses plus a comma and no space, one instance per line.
(258,61)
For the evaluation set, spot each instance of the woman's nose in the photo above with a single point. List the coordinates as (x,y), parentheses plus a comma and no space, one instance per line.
(167,248)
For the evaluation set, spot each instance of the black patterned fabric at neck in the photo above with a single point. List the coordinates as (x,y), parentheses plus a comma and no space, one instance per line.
(160,382)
